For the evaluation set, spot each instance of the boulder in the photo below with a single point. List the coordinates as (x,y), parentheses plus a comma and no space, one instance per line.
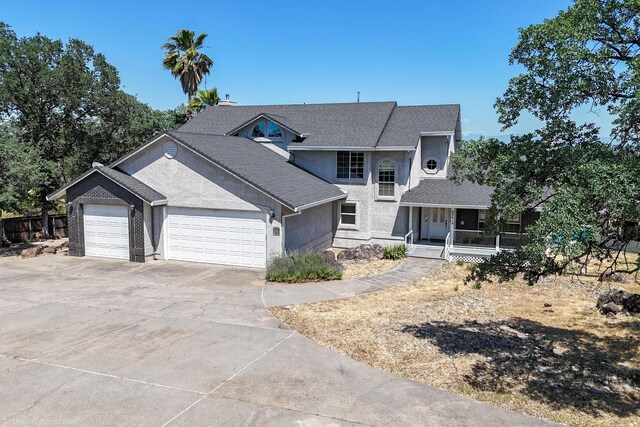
(50,250)
(362,252)
(611,307)
(614,277)
(329,254)
(618,298)
(63,245)
(632,303)
(31,252)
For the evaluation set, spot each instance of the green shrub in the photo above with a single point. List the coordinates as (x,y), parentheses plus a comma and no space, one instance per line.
(395,252)
(303,267)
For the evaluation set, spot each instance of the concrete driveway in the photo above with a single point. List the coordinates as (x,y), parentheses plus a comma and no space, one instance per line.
(87,341)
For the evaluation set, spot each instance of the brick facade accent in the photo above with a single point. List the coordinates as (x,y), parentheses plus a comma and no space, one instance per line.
(96,189)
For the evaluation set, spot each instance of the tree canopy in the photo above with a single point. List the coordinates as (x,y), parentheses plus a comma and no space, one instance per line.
(65,109)
(587,188)
(203,99)
(185,60)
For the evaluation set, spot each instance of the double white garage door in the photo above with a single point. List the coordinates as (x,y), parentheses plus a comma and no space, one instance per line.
(200,235)
(217,236)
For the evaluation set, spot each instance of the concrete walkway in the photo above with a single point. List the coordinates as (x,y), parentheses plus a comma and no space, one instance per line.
(105,342)
(289,294)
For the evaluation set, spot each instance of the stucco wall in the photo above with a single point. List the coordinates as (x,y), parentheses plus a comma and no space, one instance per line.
(378,221)
(311,230)
(98,190)
(187,180)
(437,147)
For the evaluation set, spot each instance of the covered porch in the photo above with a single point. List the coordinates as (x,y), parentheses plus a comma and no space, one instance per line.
(447,221)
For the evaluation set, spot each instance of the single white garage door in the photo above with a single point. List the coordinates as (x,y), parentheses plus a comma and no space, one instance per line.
(106,231)
(217,236)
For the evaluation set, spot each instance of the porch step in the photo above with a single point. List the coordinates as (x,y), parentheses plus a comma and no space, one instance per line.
(432,252)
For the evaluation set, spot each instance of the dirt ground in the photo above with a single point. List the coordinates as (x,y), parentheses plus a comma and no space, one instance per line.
(542,350)
(356,269)
(16,248)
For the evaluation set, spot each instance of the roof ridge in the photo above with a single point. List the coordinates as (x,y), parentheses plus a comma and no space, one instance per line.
(309,104)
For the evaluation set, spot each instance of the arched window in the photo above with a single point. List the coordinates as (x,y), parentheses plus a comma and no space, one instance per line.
(266,129)
(386,178)
(258,130)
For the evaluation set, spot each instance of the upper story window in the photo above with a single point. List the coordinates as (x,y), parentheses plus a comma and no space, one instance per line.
(431,165)
(386,178)
(266,129)
(350,165)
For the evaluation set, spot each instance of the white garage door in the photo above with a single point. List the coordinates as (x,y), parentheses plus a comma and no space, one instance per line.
(217,236)
(106,231)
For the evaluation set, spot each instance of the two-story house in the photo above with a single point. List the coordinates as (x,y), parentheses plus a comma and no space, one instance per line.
(240,184)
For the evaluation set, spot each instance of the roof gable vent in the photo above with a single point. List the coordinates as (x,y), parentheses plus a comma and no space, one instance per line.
(170,149)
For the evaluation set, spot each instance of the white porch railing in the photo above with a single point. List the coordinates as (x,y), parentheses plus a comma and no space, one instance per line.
(408,240)
(448,244)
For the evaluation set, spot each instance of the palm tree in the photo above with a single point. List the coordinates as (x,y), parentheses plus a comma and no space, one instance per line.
(204,99)
(185,61)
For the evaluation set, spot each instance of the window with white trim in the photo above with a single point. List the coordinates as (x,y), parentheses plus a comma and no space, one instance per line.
(348,214)
(482,218)
(350,165)
(266,129)
(431,165)
(386,178)
(512,224)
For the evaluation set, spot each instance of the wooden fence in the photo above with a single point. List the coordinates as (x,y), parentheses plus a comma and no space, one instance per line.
(23,228)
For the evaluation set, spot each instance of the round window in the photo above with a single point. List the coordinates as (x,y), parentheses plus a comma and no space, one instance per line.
(170,149)
(432,164)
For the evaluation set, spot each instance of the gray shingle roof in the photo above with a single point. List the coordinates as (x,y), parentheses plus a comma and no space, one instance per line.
(143,191)
(138,188)
(448,193)
(261,167)
(329,125)
(406,123)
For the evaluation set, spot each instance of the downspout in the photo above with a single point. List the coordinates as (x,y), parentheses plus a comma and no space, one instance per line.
(153,234)
(410,168)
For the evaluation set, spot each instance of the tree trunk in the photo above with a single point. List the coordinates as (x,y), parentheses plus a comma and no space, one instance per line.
(44,230)
(4,242)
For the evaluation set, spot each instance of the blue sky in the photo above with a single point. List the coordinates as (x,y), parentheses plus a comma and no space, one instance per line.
(413,52)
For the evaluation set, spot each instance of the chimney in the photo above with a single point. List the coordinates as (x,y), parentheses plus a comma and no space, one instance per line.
(227,101)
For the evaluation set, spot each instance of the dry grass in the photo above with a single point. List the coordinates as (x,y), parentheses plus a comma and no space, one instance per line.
(500,344)
(356,269)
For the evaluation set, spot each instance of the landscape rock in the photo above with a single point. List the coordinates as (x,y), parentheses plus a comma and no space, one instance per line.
(362,252)
(619,297)
(329,254)
(50,250)
(31,252)
(611,307)
(63,245)
(614,277)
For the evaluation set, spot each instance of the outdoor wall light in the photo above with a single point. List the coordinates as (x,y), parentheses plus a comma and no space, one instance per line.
(69,208)
(132,209)
(272,213)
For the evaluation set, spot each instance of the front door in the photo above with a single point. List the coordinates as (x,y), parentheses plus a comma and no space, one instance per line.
(435,223)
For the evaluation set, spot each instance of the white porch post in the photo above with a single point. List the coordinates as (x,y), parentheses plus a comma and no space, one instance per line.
(452,222)
(410,221)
